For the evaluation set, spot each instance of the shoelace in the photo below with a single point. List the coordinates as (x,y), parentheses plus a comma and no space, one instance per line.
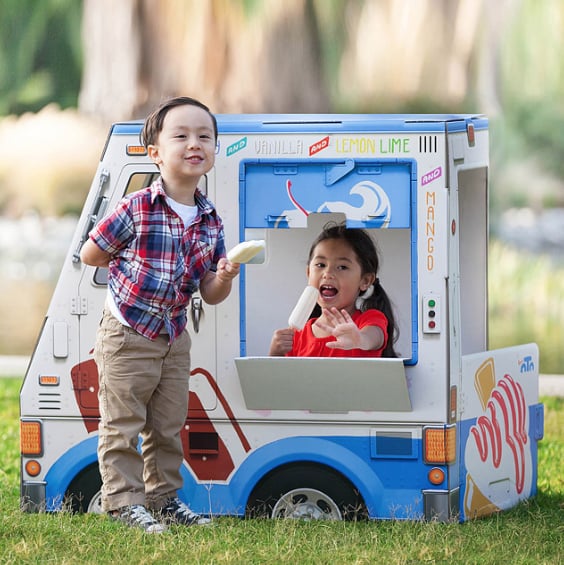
(180,508)
(139,514)
(188,513)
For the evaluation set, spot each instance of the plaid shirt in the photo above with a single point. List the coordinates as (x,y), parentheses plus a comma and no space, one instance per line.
(156,263)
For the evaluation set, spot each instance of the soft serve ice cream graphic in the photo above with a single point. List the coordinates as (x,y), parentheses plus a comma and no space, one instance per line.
(498,450)
(375,204)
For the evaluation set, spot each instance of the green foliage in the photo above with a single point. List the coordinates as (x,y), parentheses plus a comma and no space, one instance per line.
(40,54)
(542,127)
(531,57)
(532,85)
(526,304)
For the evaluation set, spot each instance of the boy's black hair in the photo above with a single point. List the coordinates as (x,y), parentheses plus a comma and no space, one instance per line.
(365,250)
(154,122)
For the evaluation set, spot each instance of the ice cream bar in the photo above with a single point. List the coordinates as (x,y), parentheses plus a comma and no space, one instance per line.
(245,251)
(302,310)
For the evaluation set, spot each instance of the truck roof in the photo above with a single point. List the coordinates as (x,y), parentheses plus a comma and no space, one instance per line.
(282,123)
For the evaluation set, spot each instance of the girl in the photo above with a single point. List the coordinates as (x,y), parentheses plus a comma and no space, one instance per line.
(353,316)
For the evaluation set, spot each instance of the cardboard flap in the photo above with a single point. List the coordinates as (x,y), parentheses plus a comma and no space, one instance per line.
(321,384)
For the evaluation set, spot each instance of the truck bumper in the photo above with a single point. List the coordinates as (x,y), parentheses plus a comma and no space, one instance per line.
(442,505)
(32,496)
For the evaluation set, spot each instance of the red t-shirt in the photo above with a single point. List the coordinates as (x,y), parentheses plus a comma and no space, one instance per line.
(307,345)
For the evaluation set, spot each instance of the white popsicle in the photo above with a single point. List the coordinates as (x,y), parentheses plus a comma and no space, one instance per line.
(246,250)
(302,311)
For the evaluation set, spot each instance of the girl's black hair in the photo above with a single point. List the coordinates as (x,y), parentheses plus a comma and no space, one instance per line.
(365,250)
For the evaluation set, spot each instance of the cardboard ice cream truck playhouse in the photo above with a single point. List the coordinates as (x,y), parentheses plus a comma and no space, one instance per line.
(448,431)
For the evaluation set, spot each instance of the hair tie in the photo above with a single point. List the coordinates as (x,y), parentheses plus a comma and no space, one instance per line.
(361,299)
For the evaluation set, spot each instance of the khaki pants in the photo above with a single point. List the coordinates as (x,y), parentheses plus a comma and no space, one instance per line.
(143,393)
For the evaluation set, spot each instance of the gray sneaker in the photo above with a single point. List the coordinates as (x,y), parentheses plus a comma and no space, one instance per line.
(176,512)
(137,516)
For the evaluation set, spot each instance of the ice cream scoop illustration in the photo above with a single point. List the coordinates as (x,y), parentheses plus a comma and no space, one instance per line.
(373,205)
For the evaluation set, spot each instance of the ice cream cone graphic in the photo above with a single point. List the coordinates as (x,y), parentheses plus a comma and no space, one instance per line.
(476,504)
(484,381)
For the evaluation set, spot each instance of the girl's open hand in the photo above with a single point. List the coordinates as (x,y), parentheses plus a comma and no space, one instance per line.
(340,325)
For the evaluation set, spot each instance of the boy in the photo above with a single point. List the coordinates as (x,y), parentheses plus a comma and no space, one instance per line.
(161,244)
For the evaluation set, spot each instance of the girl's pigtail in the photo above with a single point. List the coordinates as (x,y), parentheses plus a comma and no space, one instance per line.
(379,300)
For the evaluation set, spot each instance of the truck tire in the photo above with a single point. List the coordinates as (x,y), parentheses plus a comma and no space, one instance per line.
(84,492)
(308,492)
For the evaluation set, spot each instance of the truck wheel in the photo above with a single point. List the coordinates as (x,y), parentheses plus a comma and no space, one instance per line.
(306,492)
(84,494)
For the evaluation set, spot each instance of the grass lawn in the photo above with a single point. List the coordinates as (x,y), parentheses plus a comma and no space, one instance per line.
(532,533)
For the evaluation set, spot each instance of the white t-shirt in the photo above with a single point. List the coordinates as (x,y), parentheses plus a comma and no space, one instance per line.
(187,213)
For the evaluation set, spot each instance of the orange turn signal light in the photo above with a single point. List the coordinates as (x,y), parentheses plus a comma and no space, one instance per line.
(31,441)
(49,380)
(439,445)
(136,150)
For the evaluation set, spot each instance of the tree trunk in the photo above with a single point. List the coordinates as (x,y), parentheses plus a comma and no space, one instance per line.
(110,86)
(408,51)
(139,52)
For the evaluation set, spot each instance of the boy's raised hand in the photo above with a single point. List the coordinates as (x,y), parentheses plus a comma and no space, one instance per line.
(216,286)
(226,270)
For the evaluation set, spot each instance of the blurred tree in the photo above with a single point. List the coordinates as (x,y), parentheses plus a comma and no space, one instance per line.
(237,56)
(281,55)
(293,55)
(298,55)
(532,74)
(40,54)
(410,53)
(111,82)
(501,58)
